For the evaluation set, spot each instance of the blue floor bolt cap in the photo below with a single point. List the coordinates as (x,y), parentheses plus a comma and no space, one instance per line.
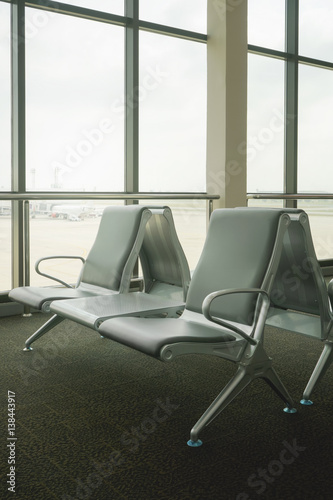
(290,410)
(194,444)
(306,402)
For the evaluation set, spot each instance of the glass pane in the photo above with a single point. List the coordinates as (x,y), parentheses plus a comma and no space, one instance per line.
(74,96)
(188,14)
(110,6)
(190,222)
(315,29)
(265,203)
(172,96)
(5,99)
(265,140)
(320,214)
(315,125)
(266,23)
(71,228)
(5,245)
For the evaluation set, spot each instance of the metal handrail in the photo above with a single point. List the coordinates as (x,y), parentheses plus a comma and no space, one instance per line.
(60,195)
(292,196)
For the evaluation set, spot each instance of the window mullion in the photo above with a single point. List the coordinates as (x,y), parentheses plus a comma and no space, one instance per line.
(131,97)
(291,101)
(18,140)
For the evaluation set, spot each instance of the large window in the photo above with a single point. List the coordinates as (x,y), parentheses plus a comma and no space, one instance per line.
(265,139)
(187,14)
(266,101)
(291,72)
(5,97)
(106,96)
(173,84)
(315,29)
(266,23)
(5,145)
(315,126)
(74,136)
(5,245)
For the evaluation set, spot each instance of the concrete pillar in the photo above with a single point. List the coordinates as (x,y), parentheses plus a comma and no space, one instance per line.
(227,101)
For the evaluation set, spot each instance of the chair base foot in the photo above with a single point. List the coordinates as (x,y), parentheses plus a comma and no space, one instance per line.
(194,444)
(289,410)
(27,349)
(306,402)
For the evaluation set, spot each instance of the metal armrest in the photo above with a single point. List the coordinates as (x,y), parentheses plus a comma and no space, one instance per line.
(67,285)
(212,296)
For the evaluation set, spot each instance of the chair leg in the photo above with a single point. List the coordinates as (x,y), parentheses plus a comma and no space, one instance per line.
(234,387)
(255,365)
(273,380)
(51,323)
(321,367)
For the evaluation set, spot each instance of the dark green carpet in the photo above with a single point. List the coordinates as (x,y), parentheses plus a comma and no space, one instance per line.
(97,420)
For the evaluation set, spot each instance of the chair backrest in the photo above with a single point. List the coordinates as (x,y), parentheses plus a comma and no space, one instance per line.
(114,253)
(241,251)
(164,264)
(299,284)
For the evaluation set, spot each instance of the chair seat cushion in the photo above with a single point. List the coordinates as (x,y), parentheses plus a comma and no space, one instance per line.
(90,311)
(35,296)
(150,335)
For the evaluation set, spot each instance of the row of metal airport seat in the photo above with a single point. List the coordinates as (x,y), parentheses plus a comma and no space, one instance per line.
(258,267)
(124,234)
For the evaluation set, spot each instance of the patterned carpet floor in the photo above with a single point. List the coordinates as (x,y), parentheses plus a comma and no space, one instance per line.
(96,420)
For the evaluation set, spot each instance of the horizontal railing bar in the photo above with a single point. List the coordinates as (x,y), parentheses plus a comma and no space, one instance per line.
(293,196)
(107,196)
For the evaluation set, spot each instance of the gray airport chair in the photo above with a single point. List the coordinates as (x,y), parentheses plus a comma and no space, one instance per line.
(226,306)
(299,298)
(164,265)
(166,278)
(107,270)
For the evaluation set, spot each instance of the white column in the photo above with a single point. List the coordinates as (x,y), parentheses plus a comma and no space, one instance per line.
(227,101)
